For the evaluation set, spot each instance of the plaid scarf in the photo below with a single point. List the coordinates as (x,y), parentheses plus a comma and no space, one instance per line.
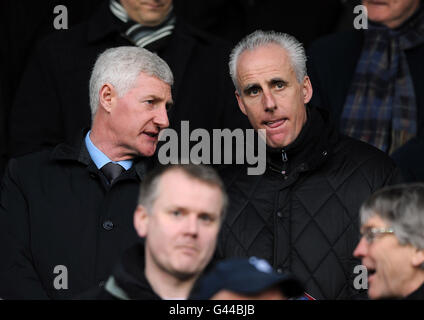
(140,35)
(380,107)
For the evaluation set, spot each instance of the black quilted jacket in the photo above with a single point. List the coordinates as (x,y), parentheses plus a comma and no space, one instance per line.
(302,213)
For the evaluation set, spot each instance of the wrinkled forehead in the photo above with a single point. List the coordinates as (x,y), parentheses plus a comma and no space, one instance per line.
(267,54)
(265,62)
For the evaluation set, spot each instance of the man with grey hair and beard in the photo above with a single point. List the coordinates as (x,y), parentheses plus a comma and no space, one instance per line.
(301,214)
(66,213)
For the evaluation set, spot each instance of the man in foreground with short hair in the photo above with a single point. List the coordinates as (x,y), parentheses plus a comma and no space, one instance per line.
(301,214)
(179,215)
(66,213)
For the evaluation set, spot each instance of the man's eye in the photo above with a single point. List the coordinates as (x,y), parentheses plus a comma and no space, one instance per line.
(253,91)
(206,218)
(176,213)
(368,234)
(149,101)
(279,85)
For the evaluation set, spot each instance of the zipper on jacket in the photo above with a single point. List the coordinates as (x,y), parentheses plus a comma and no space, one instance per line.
(285,159)
(284,155)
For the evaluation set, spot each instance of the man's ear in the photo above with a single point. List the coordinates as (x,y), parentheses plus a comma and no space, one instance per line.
(240,103)
(107,97)
(141,220)
(307,90)
(418,258)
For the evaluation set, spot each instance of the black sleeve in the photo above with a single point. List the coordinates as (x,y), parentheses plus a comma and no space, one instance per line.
(18,277)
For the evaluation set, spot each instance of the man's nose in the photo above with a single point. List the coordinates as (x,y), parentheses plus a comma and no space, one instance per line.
(192,226)
(361,249)
(161,118)
(269,101)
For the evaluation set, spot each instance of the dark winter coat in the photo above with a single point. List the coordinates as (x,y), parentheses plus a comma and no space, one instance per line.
(128,281)
(56,209)
(302,214)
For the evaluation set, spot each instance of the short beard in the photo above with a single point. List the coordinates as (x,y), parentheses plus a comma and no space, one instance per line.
(180,275)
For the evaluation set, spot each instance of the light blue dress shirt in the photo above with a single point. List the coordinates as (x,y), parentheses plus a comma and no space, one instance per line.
(99,158)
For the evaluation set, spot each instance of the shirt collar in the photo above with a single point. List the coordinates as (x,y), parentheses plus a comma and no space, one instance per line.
(99,158)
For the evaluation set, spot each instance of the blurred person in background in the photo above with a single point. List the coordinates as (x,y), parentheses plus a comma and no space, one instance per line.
(392,243)
(180,212)
(246,279)
(372,81)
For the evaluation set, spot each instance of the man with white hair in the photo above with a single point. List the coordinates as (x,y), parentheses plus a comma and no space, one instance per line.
(66,213)
(301,214)
(51,104)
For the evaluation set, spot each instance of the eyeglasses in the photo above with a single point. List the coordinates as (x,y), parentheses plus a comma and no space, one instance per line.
(371,233)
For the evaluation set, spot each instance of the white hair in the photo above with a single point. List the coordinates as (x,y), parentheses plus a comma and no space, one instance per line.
(402,207)
(121,66)
(260,38)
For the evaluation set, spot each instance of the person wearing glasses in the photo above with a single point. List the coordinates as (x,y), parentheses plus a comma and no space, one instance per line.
(392,243)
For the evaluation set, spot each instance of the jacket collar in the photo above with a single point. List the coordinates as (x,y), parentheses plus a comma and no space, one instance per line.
(310,149)
(129,275)
(417,294)
(78,152)
(129,279)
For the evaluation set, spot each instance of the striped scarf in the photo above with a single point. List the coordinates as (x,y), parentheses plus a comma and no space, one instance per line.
(138,34)
(380,107)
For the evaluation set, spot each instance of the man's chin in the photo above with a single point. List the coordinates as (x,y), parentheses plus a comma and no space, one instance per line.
(147,151)
(374,294)
(186,269)
(275,144)
(184,274)
(277,140)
